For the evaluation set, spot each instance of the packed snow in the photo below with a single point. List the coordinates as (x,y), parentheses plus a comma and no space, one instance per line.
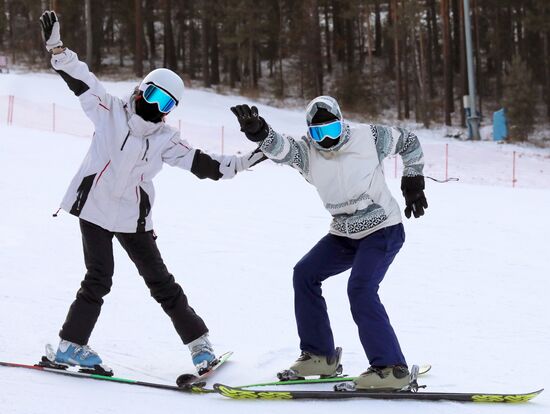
(467,293)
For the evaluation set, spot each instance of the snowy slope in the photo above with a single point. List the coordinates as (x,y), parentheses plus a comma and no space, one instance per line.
(466,294)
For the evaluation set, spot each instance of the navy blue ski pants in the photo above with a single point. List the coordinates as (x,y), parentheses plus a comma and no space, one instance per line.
(369,259)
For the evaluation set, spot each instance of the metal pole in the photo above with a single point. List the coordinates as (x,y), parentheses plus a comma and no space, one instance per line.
(473,119)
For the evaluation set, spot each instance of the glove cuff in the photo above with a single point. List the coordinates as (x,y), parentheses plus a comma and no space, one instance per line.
(51,46)
(415,183)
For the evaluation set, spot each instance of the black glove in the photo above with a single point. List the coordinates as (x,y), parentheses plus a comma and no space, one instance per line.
(413,191)
(50,30)
(254,127)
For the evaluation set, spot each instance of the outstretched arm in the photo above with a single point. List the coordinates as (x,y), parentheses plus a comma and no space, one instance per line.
(279,148)
(394,140)
(95,101)
(180,154)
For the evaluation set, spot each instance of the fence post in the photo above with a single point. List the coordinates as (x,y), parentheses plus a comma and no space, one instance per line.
(514,170)
(222,139)
(11,100)
(446,161)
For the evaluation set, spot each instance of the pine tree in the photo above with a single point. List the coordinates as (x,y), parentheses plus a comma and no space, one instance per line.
(519,100)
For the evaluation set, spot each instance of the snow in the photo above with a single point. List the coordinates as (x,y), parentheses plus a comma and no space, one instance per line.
(467,293)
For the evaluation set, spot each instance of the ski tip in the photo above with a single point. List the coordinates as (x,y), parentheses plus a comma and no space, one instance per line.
(240,394)
(225,356)
(424,369)
(506,398)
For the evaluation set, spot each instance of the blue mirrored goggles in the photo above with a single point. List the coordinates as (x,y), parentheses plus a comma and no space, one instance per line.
(153,94)
(332,130)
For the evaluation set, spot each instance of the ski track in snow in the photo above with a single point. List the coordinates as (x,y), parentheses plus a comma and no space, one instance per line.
(467,293)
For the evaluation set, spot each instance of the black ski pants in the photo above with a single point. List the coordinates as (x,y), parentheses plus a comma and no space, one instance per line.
(142,250)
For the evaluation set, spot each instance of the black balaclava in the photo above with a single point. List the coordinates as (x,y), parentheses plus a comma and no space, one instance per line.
(149,112)
(322,116)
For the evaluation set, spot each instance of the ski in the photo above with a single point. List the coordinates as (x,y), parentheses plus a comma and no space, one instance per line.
(240,394)
(186,379)
(197,388)
(423,369)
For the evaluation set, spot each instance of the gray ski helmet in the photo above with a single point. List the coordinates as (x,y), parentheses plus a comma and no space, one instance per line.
(326,102)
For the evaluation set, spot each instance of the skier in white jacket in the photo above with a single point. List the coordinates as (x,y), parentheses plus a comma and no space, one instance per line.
(344,164)
(112,194)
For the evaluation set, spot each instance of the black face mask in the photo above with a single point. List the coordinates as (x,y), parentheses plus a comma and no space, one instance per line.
(329,142)
(149,112)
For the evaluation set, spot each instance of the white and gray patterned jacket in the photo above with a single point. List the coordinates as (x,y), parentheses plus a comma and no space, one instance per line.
(349,177)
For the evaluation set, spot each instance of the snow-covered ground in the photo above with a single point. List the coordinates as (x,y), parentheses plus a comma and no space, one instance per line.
(468,292)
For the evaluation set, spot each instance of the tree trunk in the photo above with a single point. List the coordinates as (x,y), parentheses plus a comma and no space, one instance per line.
(150,30)
(425,107)
(138,57)
(377,29)
(404,60)
(370,46)
(214,56)
(498,54)
(448,103)
(546,38)
(435,39)
(430,49)
(327,37)
(397,61)
(350,42)
(280,50)
(169,47)
(456,29)
(338,31)
(205,46)
(316,51)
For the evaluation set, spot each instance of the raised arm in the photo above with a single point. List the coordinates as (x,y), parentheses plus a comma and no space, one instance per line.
(95,101)
(395,140)
(178,153)
(279,148)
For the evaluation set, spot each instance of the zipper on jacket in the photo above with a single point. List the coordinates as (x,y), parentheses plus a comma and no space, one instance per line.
(146,149)
(125,139)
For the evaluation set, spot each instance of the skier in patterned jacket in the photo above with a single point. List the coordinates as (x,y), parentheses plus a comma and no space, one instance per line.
(113,194)
(344,163)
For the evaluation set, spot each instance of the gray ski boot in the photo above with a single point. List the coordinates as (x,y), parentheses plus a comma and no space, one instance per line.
(390,378)
(309,364)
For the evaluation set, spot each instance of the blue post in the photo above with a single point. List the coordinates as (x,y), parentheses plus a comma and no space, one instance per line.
(500,125)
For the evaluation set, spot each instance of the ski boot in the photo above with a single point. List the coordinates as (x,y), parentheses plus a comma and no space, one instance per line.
(390,378)
(69,354)
(202,354)
(309,364)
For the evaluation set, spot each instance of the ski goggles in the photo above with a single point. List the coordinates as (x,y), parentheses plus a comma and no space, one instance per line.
(332,130)
(153,94)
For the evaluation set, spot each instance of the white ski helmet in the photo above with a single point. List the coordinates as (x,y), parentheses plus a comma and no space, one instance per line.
(165,79)
(325,102)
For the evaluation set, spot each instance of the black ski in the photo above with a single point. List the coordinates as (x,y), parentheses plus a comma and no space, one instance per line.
(240,394)
(188,388)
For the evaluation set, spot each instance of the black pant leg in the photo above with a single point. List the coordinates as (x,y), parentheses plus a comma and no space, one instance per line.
(98,257)
(143,251)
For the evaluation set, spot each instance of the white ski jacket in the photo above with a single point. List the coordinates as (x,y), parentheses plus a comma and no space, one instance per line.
(349,177)
(113,187)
